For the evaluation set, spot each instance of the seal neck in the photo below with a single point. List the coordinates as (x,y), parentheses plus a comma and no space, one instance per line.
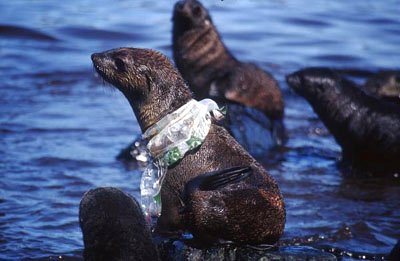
(148,114)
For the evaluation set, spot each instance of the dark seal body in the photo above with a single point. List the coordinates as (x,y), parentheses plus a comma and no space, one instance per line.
(211,70)
(367,128)
(114,227)
(248,211)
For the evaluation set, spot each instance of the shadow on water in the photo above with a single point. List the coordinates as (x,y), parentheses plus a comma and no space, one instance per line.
(60,132)
(98,34)
(22,32)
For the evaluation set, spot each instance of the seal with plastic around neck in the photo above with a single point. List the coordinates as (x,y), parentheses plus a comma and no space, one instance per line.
(169,140)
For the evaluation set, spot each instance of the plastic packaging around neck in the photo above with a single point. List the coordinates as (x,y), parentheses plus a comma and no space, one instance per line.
(171,138)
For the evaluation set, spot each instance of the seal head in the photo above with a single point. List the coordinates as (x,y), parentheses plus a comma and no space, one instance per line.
(146,78)
(189,15)
(316,84)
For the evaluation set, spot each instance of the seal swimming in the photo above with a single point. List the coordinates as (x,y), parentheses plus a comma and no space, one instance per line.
(217,190)
(367,128)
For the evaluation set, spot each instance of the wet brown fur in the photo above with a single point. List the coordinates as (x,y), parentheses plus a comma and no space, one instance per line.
(211,70)
(114,227)
(249,211)
(367,128)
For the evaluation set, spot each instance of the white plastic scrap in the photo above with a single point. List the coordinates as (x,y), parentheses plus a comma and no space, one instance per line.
(170,139)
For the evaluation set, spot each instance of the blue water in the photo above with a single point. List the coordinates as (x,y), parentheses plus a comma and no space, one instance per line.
(61,129)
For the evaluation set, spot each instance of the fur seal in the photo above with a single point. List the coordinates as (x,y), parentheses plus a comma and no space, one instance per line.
(114,227)
(367,129)
(249,210)
(212,71)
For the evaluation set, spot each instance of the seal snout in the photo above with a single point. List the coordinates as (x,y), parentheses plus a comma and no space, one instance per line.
(186,7)
(294,80)
(95,57)
(181,8)
(101,61)
(97,60)
(180,5)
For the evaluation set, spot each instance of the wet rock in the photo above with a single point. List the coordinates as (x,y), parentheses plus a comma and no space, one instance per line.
(253,129)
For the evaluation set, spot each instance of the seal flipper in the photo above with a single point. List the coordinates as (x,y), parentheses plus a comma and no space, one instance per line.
(217,179)
(220,178)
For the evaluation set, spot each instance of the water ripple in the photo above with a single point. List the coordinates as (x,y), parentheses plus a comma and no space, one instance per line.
(98,34)
(60,131)
(24,32)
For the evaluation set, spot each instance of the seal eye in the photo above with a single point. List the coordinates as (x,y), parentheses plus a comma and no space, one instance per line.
(196,10)
(120,65)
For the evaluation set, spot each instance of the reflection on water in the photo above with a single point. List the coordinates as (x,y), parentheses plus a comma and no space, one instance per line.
(60,130)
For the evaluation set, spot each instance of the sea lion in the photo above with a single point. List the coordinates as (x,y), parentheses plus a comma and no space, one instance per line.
(212,71)
(367,129)
(384,85)
(114,227)
(249,210)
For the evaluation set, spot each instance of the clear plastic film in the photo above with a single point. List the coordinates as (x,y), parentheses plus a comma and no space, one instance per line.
(170,139)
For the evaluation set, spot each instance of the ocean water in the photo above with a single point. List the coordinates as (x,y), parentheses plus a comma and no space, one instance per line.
(61,128)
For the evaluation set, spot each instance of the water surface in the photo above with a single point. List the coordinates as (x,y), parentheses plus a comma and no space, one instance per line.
(61,130)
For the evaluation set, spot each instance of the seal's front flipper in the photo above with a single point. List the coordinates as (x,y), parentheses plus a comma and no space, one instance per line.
(217,179)
(220,178)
